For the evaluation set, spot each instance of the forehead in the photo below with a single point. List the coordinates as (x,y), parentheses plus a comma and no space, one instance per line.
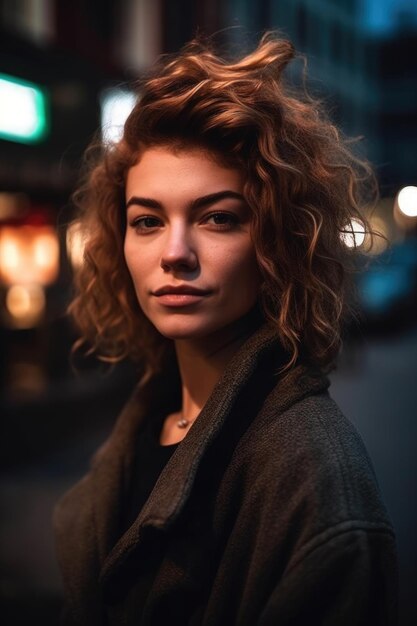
(195,170)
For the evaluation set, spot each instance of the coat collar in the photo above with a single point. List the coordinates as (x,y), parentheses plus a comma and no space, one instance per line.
(175,483)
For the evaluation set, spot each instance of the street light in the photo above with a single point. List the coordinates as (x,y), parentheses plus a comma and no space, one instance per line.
(407,201)
(29,261)
(405,208)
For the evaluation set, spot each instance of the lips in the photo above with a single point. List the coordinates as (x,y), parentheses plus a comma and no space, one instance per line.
(180,296)
(180,289)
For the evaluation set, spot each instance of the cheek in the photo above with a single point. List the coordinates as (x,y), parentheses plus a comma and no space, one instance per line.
(135,255)
(127,251)
(136,265)
(240,267)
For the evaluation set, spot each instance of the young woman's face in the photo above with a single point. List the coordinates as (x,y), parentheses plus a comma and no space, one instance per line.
(188,226)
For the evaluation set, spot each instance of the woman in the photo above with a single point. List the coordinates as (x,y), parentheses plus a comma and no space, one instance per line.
(232,490)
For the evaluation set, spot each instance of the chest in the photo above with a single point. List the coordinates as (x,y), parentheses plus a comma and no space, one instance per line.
(197,572)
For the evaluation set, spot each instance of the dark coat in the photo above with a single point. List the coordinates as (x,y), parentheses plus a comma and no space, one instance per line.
(267,514)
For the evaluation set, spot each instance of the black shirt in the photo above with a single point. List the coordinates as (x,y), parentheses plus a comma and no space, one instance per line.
(150,459)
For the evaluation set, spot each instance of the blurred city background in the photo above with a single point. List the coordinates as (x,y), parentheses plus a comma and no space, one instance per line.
(67,75)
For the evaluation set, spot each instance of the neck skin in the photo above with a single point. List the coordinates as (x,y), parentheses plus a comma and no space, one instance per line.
(201,362)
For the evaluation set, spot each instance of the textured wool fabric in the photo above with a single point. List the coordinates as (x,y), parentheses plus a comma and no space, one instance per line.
(267,513)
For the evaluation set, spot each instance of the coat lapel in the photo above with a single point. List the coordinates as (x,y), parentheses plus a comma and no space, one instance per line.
(175,483)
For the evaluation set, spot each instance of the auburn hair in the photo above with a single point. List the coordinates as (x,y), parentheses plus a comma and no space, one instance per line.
(304,185)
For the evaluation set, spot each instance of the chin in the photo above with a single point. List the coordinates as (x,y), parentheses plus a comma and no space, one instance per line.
(187,326)
(178,331)
(191,327)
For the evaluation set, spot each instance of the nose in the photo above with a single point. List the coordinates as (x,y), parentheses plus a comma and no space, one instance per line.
(178,251)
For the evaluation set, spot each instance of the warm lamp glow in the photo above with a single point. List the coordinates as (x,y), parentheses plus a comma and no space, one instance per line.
(9,254)
(25,305)
(75,242)
(45,248)
(28,255)
(379,243)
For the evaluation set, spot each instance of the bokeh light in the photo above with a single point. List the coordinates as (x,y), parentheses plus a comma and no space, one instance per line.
(354,234)
(116,105)
(407,201)
(28,255)
(22,110)
(25,305)
(75,243)
(380,240)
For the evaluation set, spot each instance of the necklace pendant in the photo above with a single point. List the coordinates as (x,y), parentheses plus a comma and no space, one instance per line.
(182,423)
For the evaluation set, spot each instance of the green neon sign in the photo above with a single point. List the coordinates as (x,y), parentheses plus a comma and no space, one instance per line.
(23,110)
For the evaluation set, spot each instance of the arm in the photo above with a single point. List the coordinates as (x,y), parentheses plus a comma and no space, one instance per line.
(350,579)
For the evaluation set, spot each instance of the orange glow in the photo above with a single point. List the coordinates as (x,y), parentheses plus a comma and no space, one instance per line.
(75,241)
(379,244)
(28,255)
(25,305)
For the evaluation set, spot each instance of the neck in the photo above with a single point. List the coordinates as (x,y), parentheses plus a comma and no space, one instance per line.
(201,362)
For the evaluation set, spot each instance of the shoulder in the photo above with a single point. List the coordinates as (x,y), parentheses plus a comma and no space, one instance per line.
(74,511)
(310,460)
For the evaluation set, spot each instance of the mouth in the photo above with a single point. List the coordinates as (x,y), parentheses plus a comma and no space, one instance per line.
(187,290)
(180,295)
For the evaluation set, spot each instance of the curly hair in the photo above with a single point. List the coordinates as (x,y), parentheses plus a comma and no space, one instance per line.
(303,184)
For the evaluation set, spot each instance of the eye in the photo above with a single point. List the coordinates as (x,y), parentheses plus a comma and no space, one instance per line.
(145,222)
(222,220)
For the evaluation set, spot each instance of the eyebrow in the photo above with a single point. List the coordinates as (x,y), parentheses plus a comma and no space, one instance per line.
(198,203)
